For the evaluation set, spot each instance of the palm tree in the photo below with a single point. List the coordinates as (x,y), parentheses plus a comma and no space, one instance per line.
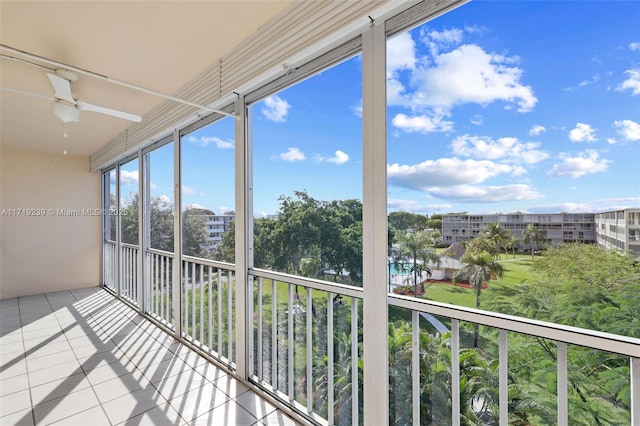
(497,235)
(511,244)
(534,235)
(415,245)
(480,268)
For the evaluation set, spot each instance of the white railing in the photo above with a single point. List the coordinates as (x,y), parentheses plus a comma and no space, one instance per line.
(208,307)
(109,264)
(563,337)
(305,348)
(129,271)
(159,283)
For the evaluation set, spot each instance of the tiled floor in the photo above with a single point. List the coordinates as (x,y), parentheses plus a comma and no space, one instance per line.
(82,357)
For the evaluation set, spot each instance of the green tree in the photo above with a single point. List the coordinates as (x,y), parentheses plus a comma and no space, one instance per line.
(582,286)
(533,235)
(480,267)
(194,232)
(512,244)
(415,246)
(497,235)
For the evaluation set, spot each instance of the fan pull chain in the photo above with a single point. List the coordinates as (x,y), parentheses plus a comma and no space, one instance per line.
(65,138)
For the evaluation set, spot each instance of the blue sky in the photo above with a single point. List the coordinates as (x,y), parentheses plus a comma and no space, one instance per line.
(494,107)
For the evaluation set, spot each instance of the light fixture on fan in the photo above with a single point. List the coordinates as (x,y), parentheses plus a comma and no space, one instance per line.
(66,106)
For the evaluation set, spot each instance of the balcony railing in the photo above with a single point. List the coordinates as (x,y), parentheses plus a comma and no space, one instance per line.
(129,270)
(304,342)
(305,348)
(109,265)
(562,337)
(208,306)
(159,281)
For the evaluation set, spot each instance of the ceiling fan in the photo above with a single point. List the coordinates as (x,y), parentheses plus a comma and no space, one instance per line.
(67,106)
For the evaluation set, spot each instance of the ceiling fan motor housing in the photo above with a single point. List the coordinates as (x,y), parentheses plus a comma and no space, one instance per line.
(66,112)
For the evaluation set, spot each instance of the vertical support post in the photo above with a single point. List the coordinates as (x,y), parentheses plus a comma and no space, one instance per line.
(635,391)
(330,354)
(118,275)
(244,235)
(374,158)
(176,306)
(144,213)
(309,352)
(455,372)
(355,394)
(563,401)
(415,366)
(290,337)
(503,377)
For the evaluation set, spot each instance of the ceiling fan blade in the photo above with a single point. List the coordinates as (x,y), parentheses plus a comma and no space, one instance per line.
(22,92)
(61,88)
(115,113)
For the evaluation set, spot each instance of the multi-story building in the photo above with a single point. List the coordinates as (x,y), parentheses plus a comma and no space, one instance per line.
(217,225)
(619,229)
(557,227)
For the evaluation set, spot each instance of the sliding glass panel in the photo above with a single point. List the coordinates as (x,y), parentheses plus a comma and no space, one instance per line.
(505,142)
(208,192)
(307,176)
(159,197)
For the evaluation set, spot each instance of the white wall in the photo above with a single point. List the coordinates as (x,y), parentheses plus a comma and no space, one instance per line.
(54,252)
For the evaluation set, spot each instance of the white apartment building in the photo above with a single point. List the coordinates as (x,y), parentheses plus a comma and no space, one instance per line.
(557,227)
(619,229)
(216,226)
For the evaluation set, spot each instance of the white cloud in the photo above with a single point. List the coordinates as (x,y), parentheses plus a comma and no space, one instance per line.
(187,190)
(413,206)
(583,133)
(632,83)
(292,154)
(507,149)
(611,141)
(401,53)
(438,40)
(275,109)
(537,129)
(129,177)
(587,162)
(486,194)
(477,120)
(606,204)
(357,109)
(634,45)
(422,123)
(446,172)
(596,78)
(628,129)
(208,140)
(468,74)
(164,201)
(339,157)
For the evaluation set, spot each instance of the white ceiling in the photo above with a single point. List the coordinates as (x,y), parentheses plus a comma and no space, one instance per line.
(160,45)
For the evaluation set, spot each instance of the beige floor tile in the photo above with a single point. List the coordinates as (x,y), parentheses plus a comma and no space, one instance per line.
(180,384)
(132,404)
(230,414)
(14,402)
(20,418)
(14,384)
(115,388)
(13,366)
(278,418)
(60,371)
(198,401)
(67,406)
(93,416)
(58,388)
(51,360)
(255,405)
(161,414)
